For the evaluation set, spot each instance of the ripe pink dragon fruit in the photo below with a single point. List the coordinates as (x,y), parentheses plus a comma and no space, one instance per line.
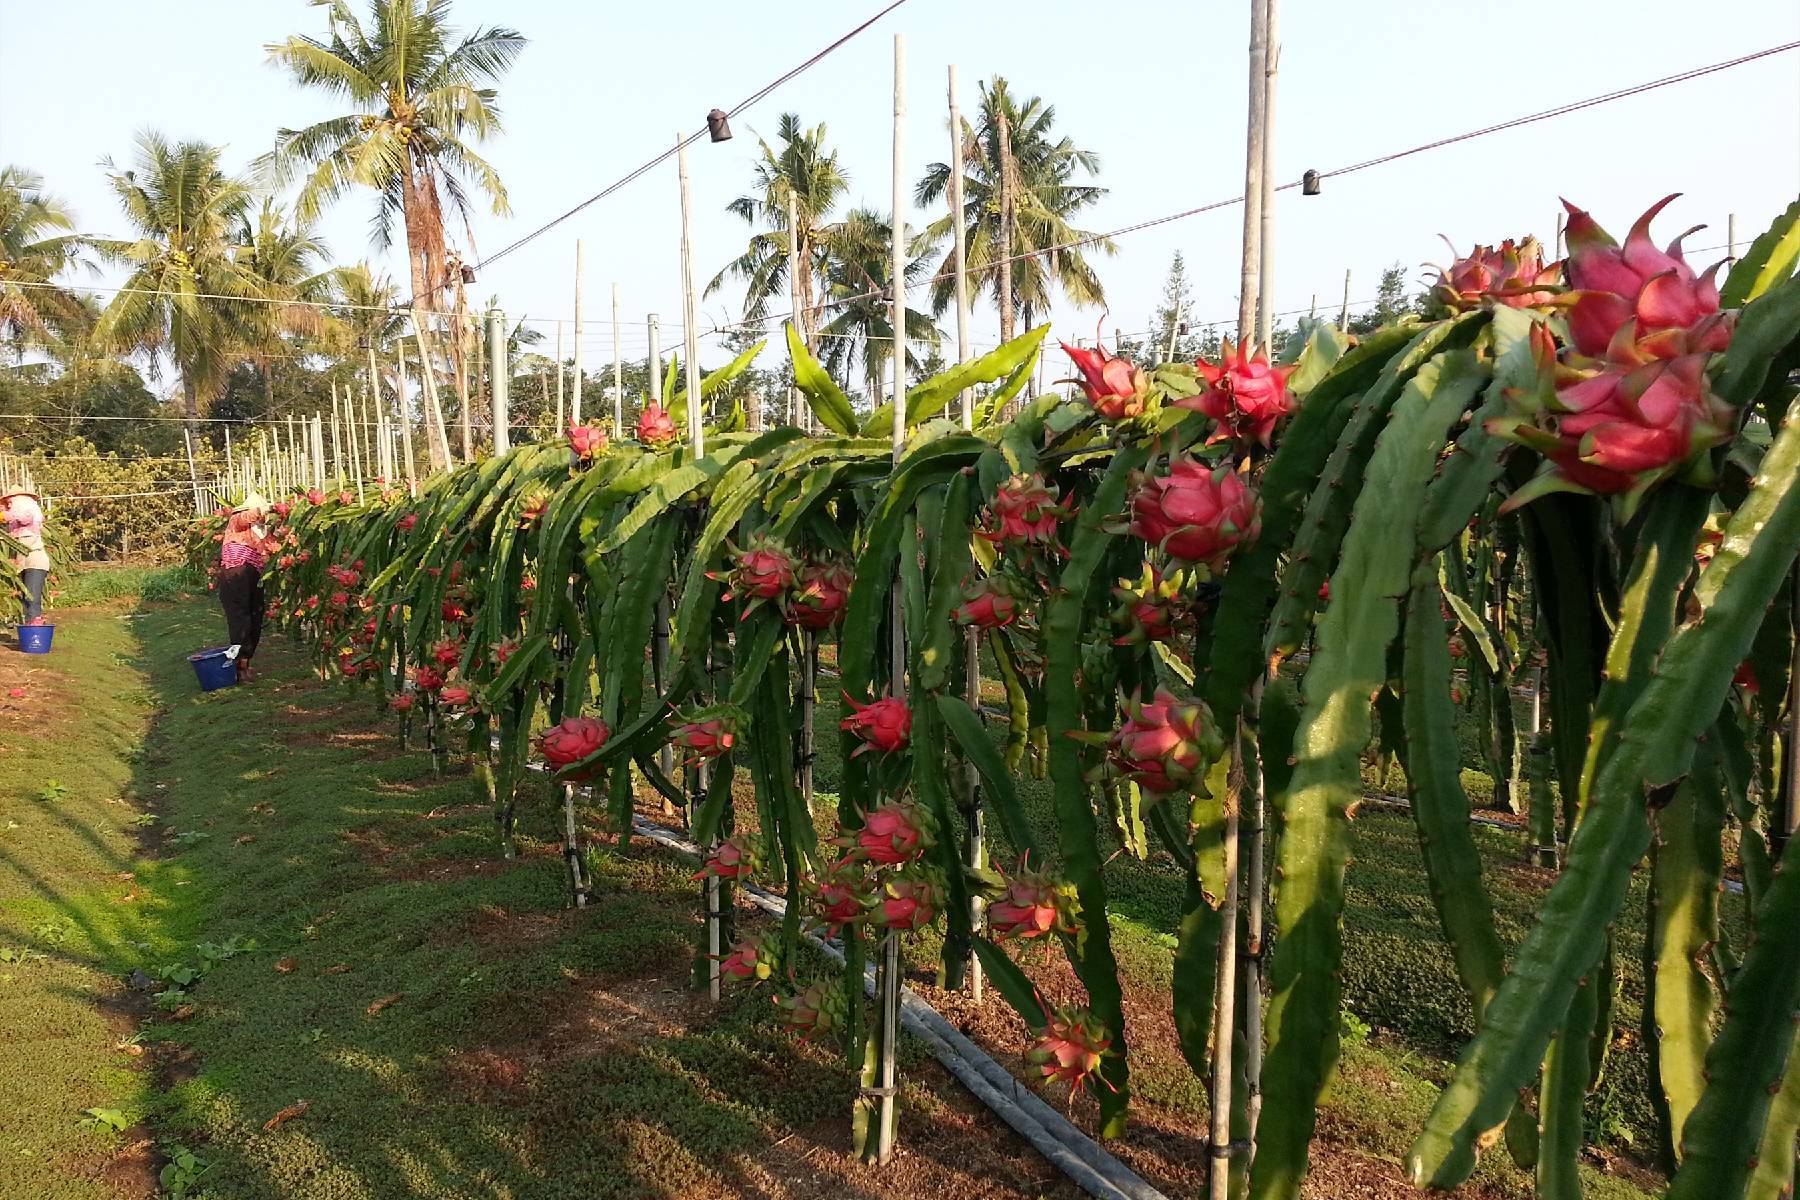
(503,650)
(814,1011)
(1510,274)
(402,703)
(737,857)
(587,440)
(990,603)
(315,496)
(1070,1048)
(456,695)
(573,739)
(447,653)
(820,595)
(406,522)
(909,900)
(1196,513)
(884,725)
(1023,512)
(1031,904)
(762,570)
(429,679)
(655,428)
(843,895)
(702,737)
(1656,288)
(895,833)
(1165,744)
(1117,389)
(1617,431)
(1148,610)
(753,960)
(1244,394)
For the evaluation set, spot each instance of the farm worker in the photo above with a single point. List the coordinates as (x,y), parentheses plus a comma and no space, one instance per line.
(242,555)
(25,525)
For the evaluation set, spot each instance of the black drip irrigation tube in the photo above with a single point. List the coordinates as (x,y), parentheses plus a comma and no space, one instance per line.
(1050,1133)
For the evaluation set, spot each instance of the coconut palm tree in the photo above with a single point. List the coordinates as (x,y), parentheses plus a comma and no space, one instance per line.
(1045,192)
(288,261)
(37,245)
(187,295)
(857,275)
(419,100)
(801,167)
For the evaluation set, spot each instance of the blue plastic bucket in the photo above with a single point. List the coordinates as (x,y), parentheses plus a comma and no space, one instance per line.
(35,639)
(213,669)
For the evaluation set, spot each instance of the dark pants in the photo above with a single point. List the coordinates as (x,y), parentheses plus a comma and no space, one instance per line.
(241,596)
(34,592)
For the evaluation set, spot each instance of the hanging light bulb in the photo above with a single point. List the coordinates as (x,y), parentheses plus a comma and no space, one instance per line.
(718,126)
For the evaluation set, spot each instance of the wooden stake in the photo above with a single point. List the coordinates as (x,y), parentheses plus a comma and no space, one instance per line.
(618,373)
(1250,270)
(972,637)
(501,389)
(400,402)
(690,322)
(1265,283)
(337,433)
(575,384)
(437,436)
(561,370)
(793,258)
(463,339)
(655,360)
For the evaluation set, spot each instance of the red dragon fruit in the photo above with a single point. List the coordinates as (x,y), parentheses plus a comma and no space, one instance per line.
(1023,512)
(1244,394)
(909,900)
(1637,282)
(990,603)
(1165,744)
(843,895)
(1070,1048)
(1617,431)
(1117,389)
(406,522)
(820,595)
(1031,904)
(503,650)
(587,440)
(1147,611)
(456,695)
(705,734)
(884,725)
(447,653)
(573,739)
(752,960)
(429,679)
(737,857)
(1510,274)
(895,833)
(762,570)
(402,703)
(655,428)
(1196,513)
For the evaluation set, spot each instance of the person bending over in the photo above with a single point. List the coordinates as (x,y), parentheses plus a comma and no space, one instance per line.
(25,524)
(242,555)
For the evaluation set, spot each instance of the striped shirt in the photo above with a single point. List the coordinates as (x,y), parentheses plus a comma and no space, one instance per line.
(237,554)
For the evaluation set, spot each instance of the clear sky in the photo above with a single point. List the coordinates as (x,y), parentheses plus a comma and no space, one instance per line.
(1155,87)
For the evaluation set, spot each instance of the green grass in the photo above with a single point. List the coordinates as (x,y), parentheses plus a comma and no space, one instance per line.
(310,870)
(100,583)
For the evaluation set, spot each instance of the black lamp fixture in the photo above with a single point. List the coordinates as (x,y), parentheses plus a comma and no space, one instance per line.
(468,273)
(1309,184)
(718,126)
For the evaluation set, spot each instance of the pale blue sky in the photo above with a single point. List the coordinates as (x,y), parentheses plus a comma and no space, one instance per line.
(1154,86)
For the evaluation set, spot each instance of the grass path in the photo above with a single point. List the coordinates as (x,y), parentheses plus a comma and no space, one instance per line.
(347,996)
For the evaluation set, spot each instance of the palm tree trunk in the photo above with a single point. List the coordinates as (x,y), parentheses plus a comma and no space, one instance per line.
(419,240)
(1004,288)
(268,382)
